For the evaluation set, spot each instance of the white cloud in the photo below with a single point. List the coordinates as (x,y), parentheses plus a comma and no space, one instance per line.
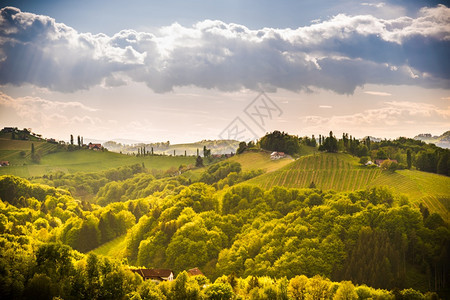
(338,54)
(377,5)
(26,104)
(374,93)
(42,114)
(393,117)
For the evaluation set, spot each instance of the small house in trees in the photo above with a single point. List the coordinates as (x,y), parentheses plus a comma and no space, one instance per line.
(277,155)
(95,147)
(156,275)
(51,141)
(195,272)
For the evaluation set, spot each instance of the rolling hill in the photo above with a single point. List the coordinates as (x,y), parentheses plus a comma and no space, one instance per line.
(216,147)
(18,153)
(342,172)
(260,159)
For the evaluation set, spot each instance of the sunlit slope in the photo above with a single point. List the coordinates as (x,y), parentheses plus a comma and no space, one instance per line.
(91,161)
(114,248)
(327,171)
(341,172)
(432,190)
(250,160)
(10,150)
(259,160)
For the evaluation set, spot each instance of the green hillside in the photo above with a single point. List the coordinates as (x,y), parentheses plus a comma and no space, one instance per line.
(252,160)
(341,172)
(81,161)
(114,248)
(18,152)
(432,190)
(328,171)
(259,160)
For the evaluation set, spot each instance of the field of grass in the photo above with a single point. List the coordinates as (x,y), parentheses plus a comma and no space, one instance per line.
(114,248)
(341,172)
(90,161)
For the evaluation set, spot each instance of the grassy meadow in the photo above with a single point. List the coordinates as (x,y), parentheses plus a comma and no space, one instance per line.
(114,248)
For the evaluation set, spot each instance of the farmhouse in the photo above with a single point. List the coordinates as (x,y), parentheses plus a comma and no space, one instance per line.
(95,147)
(156,275)
(277,155)
(4,163)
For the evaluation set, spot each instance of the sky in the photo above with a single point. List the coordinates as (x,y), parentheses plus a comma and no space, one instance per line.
(185,71)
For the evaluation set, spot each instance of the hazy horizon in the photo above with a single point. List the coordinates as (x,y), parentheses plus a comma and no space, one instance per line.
(182,72)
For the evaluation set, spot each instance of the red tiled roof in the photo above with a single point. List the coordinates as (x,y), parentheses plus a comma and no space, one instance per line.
(195,271)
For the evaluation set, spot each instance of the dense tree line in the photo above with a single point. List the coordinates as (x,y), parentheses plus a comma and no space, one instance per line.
(281,142)
(141,185)
(86,185)
(52,270)
(413,153)
(329,144)
(284,232)
(407,152)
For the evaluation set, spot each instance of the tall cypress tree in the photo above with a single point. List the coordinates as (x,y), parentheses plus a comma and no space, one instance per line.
(443,163)
(408,158)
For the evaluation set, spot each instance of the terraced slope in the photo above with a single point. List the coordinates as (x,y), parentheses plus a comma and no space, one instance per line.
(328,171)
(432,190)
(341,172)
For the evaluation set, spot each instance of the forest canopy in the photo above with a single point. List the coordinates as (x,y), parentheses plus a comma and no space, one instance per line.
(244,231)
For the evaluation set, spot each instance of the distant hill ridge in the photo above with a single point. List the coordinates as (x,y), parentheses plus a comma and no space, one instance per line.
(216,146)
(442,141)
